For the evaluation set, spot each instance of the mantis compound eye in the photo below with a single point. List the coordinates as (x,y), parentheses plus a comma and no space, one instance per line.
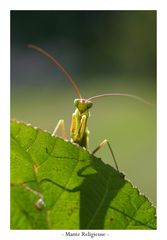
(89,104)
(76,102)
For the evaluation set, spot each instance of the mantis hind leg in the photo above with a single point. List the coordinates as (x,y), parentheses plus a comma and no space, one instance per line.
(61,125)
(102,144)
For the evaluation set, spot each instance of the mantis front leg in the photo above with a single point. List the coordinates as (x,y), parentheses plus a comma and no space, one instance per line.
(79,131)
(111,151)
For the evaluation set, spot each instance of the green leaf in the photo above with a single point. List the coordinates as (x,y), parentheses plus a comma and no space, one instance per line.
(79,190)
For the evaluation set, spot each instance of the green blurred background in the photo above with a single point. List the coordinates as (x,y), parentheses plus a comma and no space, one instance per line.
(105,51)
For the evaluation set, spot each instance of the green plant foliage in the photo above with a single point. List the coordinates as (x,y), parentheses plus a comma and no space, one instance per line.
(80,191)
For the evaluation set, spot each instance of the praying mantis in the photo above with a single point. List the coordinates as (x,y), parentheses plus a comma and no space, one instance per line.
(79,132)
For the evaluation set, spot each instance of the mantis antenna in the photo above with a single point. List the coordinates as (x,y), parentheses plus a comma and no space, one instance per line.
(66,73)
(120,94)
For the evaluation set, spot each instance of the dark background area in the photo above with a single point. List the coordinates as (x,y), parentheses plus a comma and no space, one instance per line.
(105,51)
(118,41)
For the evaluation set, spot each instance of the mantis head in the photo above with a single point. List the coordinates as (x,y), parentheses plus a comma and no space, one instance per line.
(82,105)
